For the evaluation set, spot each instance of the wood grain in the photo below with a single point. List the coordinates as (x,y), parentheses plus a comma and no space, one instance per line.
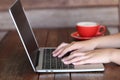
(14,64)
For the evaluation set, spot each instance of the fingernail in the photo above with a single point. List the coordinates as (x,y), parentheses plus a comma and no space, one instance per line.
(65,63)
(59,56)
(54,55)
(63,60)
(73,63)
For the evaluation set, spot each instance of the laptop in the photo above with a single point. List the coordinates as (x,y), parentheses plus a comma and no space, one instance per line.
(41,59)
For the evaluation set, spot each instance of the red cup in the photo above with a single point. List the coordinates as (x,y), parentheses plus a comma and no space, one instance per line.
(90,29)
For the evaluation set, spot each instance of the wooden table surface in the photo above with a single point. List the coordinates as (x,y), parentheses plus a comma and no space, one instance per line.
(14,64)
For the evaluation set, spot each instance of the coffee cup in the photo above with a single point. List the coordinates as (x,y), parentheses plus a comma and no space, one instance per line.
(90,29)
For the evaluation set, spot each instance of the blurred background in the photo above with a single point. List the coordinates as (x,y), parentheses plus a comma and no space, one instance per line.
(64,13)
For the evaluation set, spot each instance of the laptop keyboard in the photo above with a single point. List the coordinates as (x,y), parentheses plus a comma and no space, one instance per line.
(51,62)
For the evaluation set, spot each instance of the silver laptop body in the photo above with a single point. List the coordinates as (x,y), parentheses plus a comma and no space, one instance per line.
(36,54)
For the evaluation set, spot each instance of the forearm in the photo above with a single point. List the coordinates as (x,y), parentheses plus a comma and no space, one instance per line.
(111,41)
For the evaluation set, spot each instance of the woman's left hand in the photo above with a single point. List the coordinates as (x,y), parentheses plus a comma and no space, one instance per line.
(95,56)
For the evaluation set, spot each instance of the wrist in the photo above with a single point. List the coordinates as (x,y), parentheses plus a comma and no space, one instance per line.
(115,56)
(98,42)
(94,43)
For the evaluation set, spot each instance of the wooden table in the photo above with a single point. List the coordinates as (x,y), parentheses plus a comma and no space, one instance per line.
(14,64)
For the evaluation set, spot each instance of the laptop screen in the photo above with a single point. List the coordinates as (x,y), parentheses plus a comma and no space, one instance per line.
(24,30)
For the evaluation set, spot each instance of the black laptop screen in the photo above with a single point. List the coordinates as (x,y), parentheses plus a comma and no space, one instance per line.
(24,29)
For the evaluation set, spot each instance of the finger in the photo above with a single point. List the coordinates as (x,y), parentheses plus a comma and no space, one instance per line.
(68,48)
(73,55)
(71,61)
(59,47)
(86,61)
(82,62)
(58,52)
(76,59)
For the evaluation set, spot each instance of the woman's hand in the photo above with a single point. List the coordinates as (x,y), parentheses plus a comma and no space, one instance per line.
(64,48)
(95,56)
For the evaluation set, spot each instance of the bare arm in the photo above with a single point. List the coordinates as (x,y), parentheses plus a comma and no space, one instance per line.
(111,41)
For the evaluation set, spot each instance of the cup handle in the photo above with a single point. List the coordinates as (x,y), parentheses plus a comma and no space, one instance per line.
(101,30)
